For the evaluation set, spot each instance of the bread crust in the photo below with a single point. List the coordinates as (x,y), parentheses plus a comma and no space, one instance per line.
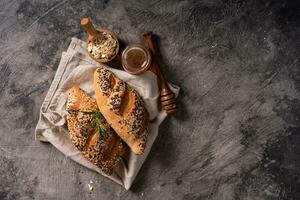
(123,109)
(103,152)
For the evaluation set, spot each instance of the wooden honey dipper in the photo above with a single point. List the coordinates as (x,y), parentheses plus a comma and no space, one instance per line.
(167,96)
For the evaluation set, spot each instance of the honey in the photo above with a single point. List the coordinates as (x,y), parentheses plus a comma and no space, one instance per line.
(136,59)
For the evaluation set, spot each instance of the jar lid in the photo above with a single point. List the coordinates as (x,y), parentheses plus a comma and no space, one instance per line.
(136,59)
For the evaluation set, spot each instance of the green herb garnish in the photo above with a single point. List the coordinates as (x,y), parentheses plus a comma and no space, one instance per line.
(97,118)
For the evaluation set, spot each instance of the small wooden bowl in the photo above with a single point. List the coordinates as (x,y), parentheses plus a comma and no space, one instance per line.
(93,34)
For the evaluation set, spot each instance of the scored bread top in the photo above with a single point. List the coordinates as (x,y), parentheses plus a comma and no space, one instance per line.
(123,109)
(105,152)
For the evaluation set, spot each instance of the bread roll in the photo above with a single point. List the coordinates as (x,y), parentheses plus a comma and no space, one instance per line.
(104,149)
(123,109)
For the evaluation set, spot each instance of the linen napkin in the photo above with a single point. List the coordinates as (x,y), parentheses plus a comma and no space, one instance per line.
(76,67)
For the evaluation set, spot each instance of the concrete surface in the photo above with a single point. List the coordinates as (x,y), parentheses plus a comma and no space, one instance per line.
(236,135)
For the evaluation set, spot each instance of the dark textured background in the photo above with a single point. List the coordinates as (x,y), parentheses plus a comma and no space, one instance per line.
(236,135)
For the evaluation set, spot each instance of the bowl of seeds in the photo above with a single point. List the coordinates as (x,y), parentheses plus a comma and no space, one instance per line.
(102,44)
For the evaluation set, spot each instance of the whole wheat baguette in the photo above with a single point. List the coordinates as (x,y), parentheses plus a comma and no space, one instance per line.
(105,150)
(123,109)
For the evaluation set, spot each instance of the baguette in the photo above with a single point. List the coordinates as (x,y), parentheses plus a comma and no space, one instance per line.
(123,109)
(104,150)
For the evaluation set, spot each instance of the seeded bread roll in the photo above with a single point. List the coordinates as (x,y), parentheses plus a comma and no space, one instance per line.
(123,109)
(102,146)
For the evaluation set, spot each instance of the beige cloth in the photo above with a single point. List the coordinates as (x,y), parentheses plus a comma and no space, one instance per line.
(76,67)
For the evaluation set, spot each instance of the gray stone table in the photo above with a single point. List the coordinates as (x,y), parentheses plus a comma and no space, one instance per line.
(236,134)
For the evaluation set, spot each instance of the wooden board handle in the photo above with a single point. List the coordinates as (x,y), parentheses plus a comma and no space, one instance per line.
(88,26)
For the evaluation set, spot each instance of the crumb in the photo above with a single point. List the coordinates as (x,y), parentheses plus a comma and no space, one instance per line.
(90,187)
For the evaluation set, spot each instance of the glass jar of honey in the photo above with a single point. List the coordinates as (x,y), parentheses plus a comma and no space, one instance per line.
(136,59)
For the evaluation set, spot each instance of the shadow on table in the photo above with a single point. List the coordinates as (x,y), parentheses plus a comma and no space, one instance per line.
(163,152)
(160,157)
